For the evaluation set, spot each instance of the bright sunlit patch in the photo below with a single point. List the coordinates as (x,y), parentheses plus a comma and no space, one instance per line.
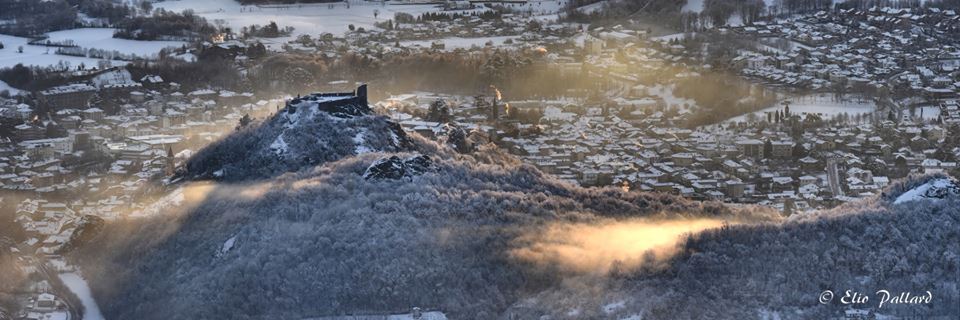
(595,248)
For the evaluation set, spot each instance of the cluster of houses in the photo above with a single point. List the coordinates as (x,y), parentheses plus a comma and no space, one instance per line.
(640,146)
(638,149)
(89,149)
(64,138)
(906,52)
(462,30)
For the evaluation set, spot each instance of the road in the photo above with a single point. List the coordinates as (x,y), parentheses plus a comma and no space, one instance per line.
(48,274)
(833,175)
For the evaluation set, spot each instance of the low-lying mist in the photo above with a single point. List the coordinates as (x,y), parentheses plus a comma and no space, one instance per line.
(600,247)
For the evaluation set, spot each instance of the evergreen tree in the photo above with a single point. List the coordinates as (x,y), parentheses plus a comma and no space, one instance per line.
(799,151)
(768,149)
(244,121)
(438,112)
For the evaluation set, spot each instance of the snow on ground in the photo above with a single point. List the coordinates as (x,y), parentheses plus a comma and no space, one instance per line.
(102,38)
(314,19)
(780,45)
(452,43)
(311,19)
(675,36)
(613,307)
(932,190)
(769,315)
(11,90)
(227,246)
(928,113)
(170,200)
(697,6)
(822,104)
(37,55)
(79,286)
(359,139)
(87,38)
(279,146)
(693,6)
(432,315)
(428,315)
(593,7)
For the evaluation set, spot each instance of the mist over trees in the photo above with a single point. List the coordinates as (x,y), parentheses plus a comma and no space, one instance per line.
(329,242)
(741,271)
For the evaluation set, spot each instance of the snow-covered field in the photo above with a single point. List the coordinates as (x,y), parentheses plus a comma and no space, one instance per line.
(79,286)
(311,19)
(11,90)
(822,104)
(102,38)
(87,38)
(697,5)
(593,7)
(36,55)
(314,19)
(675,36)
(933,190)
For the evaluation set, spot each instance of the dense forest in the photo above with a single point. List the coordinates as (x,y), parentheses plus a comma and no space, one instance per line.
(33,18)
(36,17)
(165,25)
(744,272)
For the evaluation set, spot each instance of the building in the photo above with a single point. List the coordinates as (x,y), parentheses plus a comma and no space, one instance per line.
(71,96)
(750,148)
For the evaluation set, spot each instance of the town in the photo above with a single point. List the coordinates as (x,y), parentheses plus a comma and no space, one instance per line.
(800,113)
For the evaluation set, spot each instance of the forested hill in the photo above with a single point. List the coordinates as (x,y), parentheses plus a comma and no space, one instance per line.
(309,228)
(908,240)
(309,131)
(373,231)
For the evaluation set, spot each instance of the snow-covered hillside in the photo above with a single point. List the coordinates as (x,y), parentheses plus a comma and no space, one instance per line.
(311,130)
(935,189)
(10,90)
(102,38)
(346,211)
(86,38)
(871,244)
(10,55)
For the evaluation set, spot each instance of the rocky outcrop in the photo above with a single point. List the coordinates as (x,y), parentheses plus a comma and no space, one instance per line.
(396,168)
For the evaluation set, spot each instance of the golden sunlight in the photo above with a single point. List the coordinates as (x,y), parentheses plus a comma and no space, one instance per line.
(596,247)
